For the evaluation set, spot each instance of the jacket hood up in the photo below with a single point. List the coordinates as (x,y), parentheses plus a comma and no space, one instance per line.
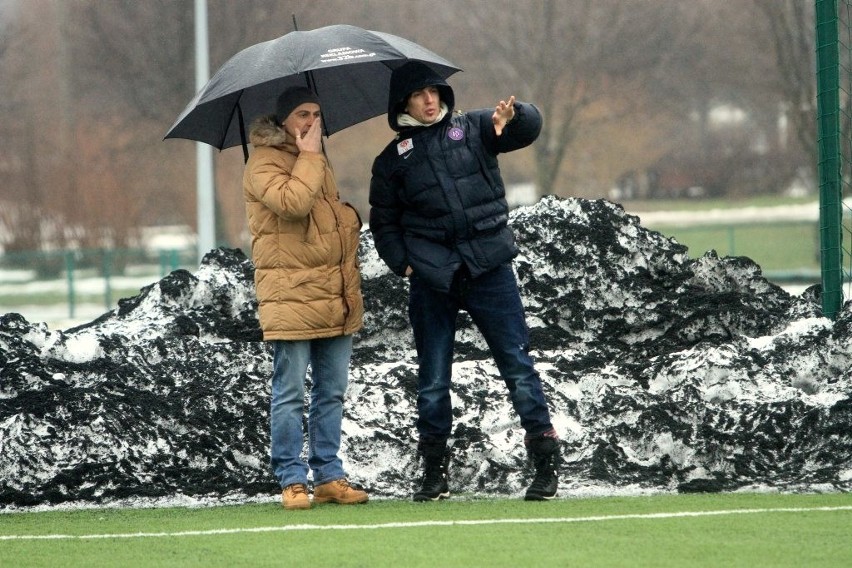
(409,78)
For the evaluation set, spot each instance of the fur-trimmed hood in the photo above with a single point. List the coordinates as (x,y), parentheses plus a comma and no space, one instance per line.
(265,131)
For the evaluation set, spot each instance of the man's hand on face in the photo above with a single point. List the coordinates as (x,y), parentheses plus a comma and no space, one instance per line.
(312,141)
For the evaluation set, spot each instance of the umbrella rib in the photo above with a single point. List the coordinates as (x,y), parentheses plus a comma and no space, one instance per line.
(244,84)
(242,130)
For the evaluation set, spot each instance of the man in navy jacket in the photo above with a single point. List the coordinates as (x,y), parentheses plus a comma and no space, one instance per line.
(439,217)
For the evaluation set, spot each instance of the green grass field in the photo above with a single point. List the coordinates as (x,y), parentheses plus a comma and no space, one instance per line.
(741,529)
(777,247)
(768,200)
(785,248)
(52,298)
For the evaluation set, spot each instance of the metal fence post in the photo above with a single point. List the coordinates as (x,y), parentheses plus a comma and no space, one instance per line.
(69,277)
(829,164)
(107,259)
(732,245)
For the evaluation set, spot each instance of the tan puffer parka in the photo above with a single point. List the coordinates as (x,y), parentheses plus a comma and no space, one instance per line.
(304,240)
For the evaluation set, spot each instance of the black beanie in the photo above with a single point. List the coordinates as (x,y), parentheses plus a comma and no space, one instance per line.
(290,99)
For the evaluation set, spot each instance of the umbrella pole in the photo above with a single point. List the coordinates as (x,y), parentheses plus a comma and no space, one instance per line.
(242,132)
(309,77)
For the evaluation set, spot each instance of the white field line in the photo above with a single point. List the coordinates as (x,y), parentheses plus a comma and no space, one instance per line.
(419,524)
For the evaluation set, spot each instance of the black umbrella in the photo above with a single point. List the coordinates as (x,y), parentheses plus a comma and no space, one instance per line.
(348,67)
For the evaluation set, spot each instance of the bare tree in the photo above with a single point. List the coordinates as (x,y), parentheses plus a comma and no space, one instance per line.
(623,85)
(137,66)
(28,155)
(791,33)
(757,56)
(571,59)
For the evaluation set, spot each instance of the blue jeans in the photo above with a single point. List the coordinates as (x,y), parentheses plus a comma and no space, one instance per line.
(494,303)
(329,360)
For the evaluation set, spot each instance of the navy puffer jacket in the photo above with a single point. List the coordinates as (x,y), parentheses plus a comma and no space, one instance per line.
(437,198)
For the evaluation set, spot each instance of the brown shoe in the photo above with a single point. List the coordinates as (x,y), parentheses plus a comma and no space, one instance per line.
(295,496)
(339,491)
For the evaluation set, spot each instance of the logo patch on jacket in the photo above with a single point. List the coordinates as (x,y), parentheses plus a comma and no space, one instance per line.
(455,133)
(405,146)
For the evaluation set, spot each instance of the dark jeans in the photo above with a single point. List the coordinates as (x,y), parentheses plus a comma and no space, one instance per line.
(494,303)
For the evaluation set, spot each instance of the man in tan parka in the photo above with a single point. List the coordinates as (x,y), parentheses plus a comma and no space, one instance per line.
(304,248)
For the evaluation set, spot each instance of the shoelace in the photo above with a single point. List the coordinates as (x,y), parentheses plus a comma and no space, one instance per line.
(435,474)
(545,469)
(540,482)
(297,489)
(344,485)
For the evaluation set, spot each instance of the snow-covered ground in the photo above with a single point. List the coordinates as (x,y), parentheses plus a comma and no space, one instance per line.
(663,373)
(58,316)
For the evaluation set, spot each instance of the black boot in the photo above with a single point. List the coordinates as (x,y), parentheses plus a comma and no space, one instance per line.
(544,454)
(436,460)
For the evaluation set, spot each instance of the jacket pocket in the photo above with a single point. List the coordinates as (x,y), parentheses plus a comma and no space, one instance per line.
(491,224)
(349,216)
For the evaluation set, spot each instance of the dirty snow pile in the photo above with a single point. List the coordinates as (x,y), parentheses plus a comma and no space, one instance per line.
(663,372)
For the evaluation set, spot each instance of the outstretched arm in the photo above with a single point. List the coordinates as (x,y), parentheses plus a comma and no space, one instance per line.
(520,126)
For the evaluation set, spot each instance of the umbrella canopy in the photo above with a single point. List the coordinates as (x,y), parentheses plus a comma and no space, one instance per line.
(348,67)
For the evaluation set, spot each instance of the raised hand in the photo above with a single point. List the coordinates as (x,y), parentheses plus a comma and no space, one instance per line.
(503,113)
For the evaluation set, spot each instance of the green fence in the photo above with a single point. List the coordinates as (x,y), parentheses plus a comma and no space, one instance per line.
(794,265)
(32,279)
(834,86)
